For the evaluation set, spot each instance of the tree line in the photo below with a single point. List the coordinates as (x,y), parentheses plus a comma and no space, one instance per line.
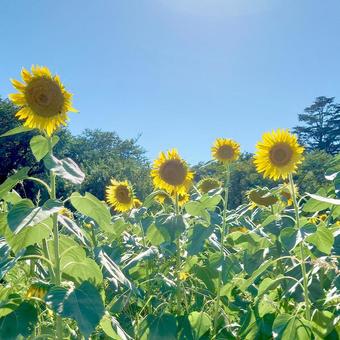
(103,154)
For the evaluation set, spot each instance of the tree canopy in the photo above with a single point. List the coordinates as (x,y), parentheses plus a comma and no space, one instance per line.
(321,126)
(100,154)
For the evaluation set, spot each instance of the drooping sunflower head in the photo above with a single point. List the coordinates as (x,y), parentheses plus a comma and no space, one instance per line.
(278,154)
(183,198)
(171,173)
(137,203)
(225,150)
(162,198)
(120,195)
(208,183)
(37,290)
(66,212)
(262,197)
(43,99)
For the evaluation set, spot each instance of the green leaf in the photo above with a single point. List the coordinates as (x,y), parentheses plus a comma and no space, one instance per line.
(328,200)
(200,323)
(113,329)
(246,283)
(91,206)
(16,130)
(148,254)
(289,238)
(27,236)
(73,228)
(210,202)
(157,236)
(323,239)
(288,327)
(65,168)
(74,264)
(6,262)
(40,146)
(172,223)
(162,327)
(12,181)
(82,304)
(322,323)
(20,322)
(12,197)
(313,205)
(197,237)
(24,214)
(198,209)
(85,270)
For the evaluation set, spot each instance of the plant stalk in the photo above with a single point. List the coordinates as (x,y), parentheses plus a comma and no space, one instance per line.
(178,262)
(303,265)
(224,232)
(57,273)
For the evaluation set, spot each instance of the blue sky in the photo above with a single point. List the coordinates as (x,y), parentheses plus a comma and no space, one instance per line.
(180,72)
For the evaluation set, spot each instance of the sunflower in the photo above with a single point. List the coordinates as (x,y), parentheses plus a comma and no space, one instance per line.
(171,173)
(182,199)
(278,154)
(137,203)
(262,196)
(38,290)
(162,198)
(66,212)
(225,150)
(208,183)
(120,195)
(43,100)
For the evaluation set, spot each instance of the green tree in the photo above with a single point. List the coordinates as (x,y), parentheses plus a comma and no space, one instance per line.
(321,126)
(100,154)
(103,155)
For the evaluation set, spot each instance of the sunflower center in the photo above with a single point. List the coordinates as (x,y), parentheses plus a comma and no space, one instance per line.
(123,194)
(281,154)
(173,172)
(225,152)
(44,97)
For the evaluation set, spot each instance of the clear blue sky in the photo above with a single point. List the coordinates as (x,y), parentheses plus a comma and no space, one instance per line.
(180,72)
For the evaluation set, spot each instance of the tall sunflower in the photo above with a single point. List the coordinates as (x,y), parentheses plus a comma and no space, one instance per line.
(43,99)
(225,150)
(171,173)
(120,195)
(278,154)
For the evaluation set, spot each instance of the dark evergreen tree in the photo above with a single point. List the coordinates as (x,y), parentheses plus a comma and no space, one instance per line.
(321,126)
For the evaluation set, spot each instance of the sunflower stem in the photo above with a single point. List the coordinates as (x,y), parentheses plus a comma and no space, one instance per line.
(178,262)
(57,273)
(224,232)
(147,269)
(303,265)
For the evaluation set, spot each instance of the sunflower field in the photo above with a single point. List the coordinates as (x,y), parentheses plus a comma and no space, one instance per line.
(179,264)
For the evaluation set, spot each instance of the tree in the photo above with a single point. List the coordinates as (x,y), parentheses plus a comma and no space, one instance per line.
(321,129)
(101,155)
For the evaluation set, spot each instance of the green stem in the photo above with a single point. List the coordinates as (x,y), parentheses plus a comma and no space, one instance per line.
(147,269)
(224,232)
(57,273)
(47,256)
(178,262)
(40,181)
(303,265)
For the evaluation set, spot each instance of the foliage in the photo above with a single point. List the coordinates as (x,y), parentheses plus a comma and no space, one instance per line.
(155,272)
(244,176)
(321,129)
(101,155)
